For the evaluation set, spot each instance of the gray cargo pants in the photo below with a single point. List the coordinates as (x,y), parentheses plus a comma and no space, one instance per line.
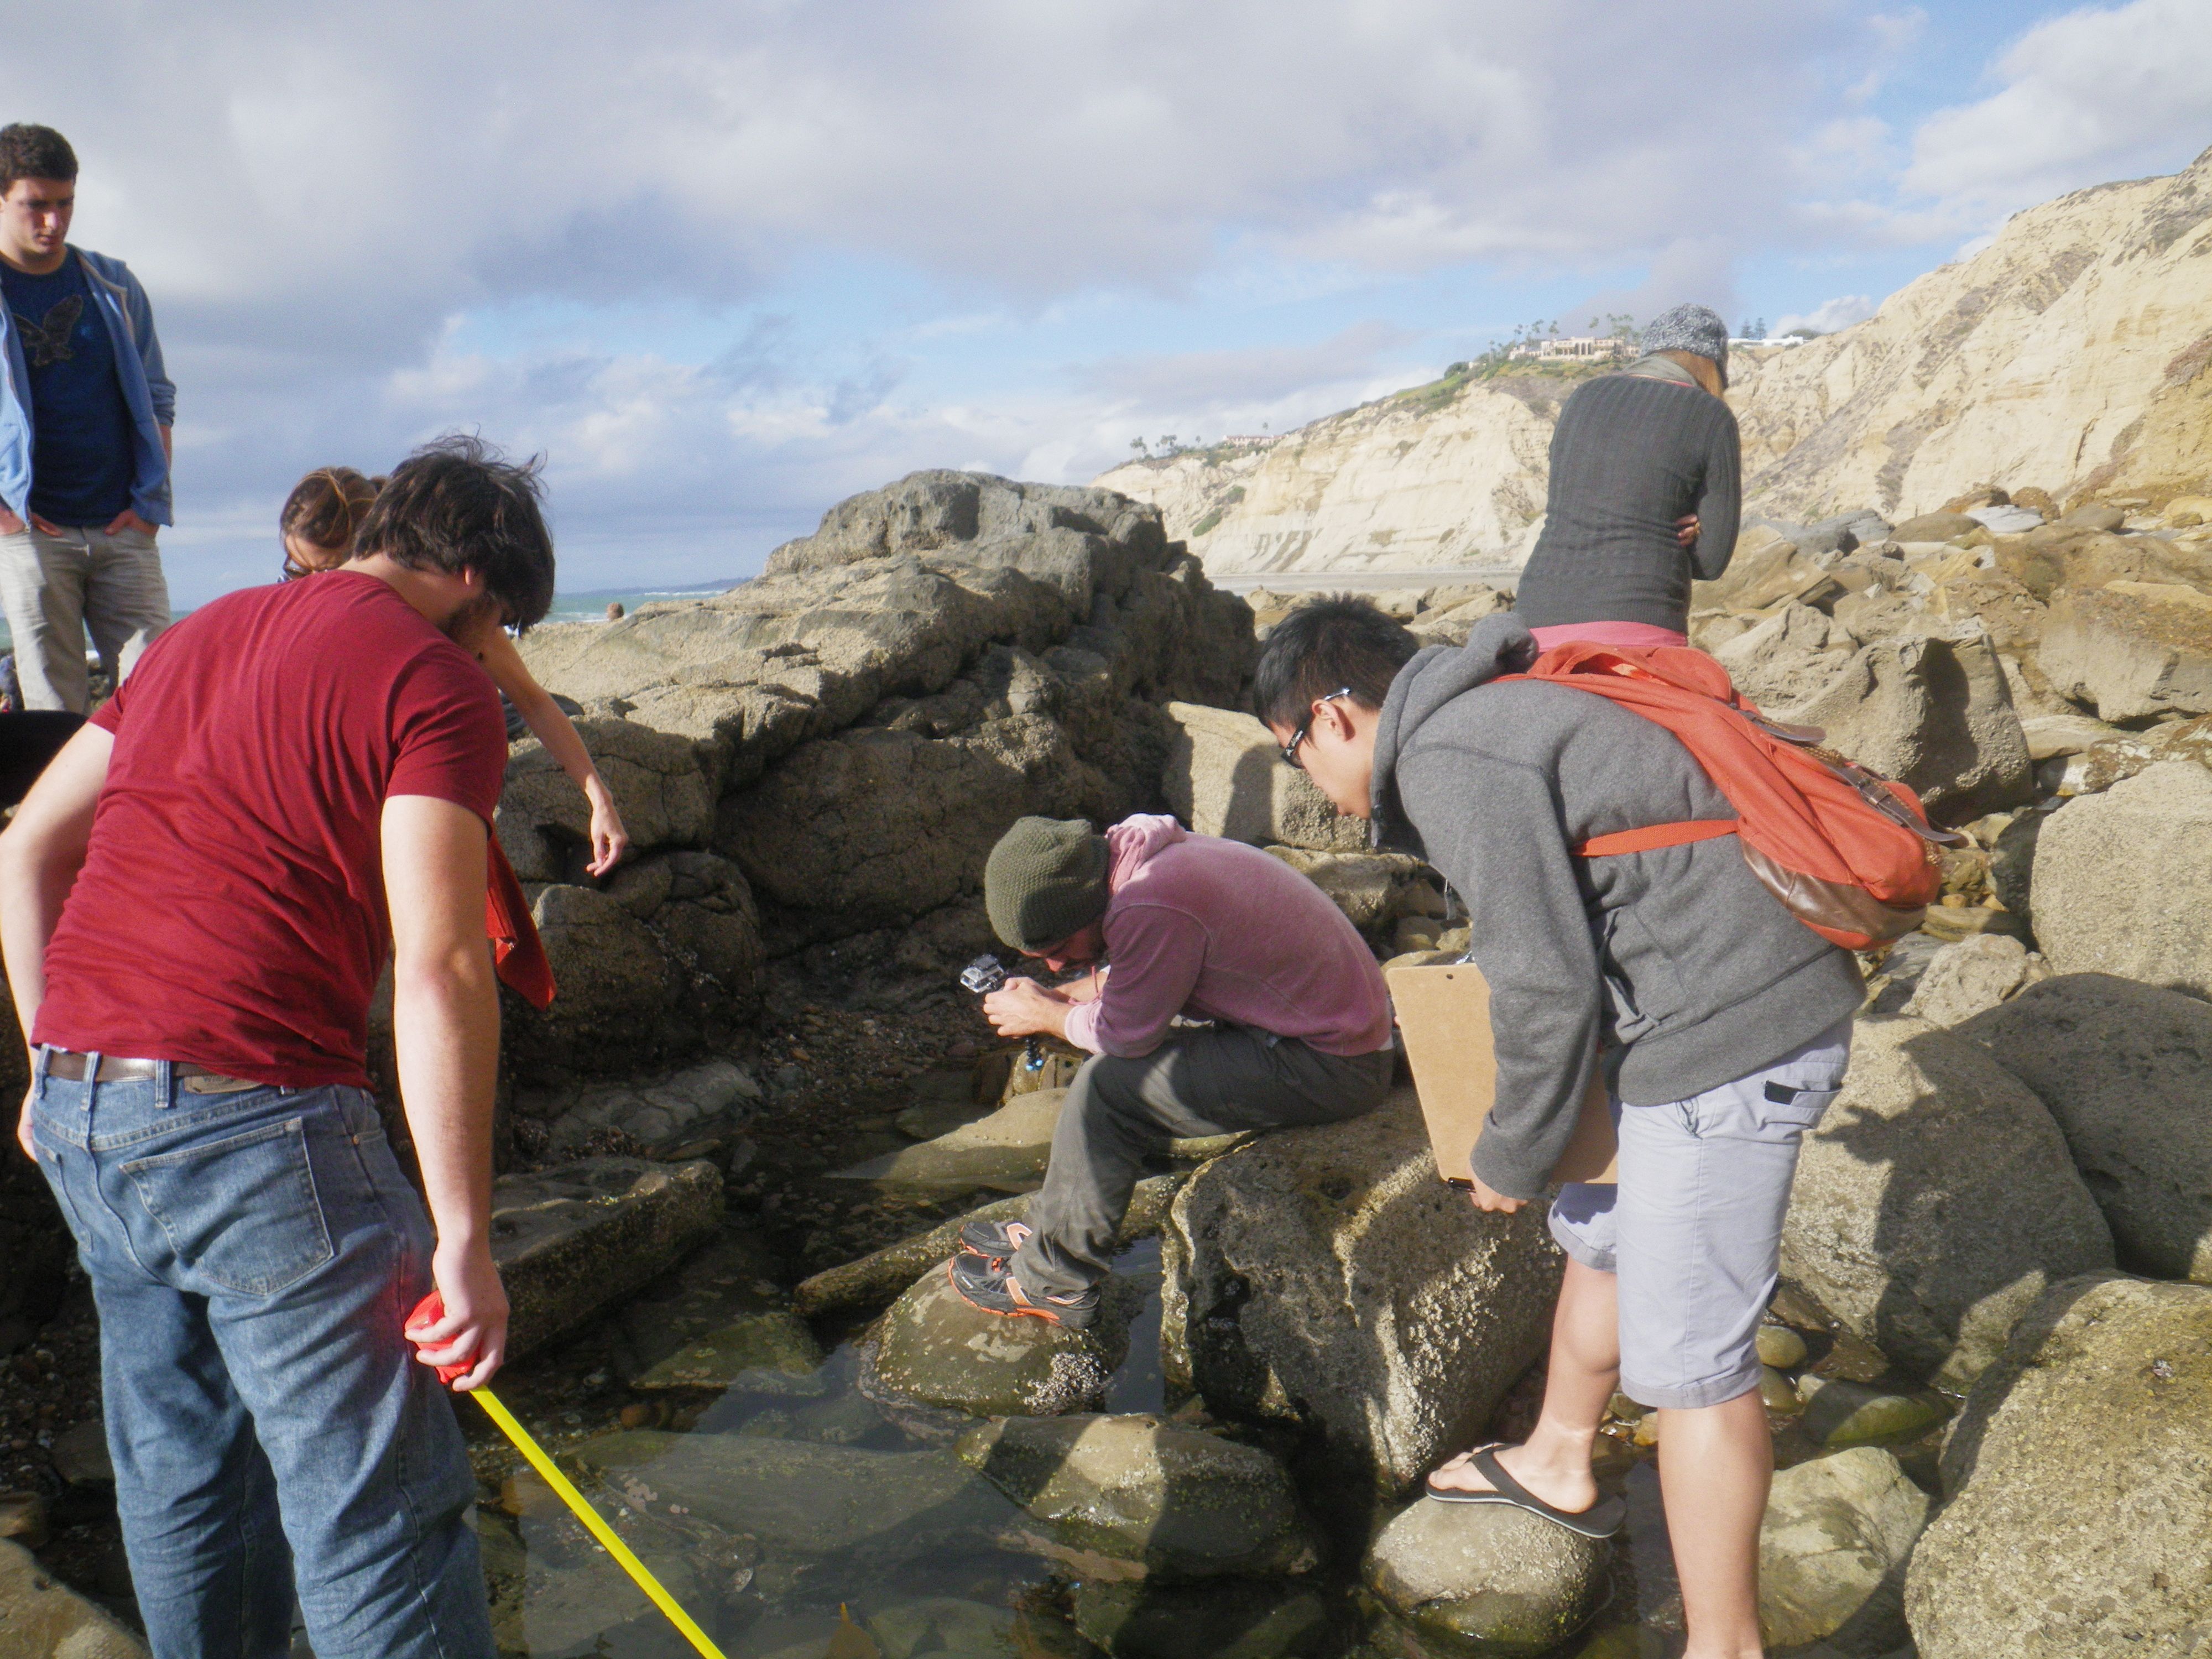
(1197,1083)
(54,587)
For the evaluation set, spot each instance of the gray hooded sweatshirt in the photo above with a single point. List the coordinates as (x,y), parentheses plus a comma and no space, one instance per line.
(1677,959)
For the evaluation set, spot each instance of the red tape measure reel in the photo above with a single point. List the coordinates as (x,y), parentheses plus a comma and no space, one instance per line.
(427,1312)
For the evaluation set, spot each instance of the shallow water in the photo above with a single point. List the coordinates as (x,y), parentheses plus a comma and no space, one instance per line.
(799,1518)
(767,1578)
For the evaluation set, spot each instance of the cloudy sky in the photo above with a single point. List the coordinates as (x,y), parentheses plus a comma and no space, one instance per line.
(725,261)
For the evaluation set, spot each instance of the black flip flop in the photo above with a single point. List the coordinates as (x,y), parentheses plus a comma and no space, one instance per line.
(1600,1520)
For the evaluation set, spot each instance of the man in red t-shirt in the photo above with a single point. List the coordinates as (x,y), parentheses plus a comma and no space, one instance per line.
(196,901)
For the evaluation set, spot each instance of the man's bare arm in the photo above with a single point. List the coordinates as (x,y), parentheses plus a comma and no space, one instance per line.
(444,1017)
(39,856)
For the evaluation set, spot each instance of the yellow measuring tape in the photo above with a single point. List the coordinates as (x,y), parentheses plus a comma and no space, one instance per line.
(600,1529)
(427,1312)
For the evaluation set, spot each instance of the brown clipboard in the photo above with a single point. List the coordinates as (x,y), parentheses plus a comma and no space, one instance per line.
(1444,1019)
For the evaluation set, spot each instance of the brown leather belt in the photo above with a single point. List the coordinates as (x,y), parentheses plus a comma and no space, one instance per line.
(192,1079)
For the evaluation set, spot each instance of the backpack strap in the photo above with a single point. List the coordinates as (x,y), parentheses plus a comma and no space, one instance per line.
(1655,835)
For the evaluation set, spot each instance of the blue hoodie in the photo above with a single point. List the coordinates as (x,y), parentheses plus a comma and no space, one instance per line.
(148,392)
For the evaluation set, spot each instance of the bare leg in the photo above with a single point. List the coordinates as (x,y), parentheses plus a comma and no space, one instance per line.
(1584,1371)
(1714,1464)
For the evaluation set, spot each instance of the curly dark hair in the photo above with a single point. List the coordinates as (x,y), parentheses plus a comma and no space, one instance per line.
(458,504)
(1337,644)
(33,152)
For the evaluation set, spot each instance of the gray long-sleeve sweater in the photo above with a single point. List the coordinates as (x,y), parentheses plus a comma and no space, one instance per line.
(1631,453)
(1678,956)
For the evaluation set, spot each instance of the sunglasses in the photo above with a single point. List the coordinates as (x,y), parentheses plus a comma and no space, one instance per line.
(1290,751)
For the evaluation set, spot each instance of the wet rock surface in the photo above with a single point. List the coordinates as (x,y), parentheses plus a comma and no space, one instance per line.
(568,1240)
(804,1499)
(1223,1618)
(1135,1497)
(686,1114)
(2077,1481)
(1325,1279)
(931,1346)
(1935,1201)
(1007,1147)
(1839,1414)
(1833,1554)
(1486,1579)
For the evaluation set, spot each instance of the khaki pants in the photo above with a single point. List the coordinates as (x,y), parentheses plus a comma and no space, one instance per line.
(54,588)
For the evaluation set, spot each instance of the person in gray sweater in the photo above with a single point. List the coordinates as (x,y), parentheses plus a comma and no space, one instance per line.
(1644,493)
(1722,1026)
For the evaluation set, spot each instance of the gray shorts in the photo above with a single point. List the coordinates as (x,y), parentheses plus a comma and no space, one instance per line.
(1693,1231)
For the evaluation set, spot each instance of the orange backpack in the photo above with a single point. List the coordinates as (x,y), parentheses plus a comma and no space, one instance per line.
(1850,853)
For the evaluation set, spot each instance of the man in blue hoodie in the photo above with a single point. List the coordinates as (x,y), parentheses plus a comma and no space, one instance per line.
(85,412)
(1724,1028)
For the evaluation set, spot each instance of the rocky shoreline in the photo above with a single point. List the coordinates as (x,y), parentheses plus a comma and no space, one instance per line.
(732,1148)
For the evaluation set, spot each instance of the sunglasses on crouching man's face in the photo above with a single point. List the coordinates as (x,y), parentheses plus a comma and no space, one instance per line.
(1290,749)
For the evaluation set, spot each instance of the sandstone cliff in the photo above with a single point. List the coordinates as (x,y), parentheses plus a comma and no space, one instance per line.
(1447,475)
(2071,355)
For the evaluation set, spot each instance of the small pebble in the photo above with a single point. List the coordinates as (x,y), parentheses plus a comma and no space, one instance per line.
(1647,1431)
(1780,1347)
(1778,1392)
(1628,1411)
(640,1415)
(23,1518)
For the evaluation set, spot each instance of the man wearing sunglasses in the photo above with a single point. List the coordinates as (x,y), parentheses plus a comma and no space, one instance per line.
(1190,925)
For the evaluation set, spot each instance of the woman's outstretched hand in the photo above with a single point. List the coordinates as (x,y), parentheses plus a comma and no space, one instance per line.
(609,841)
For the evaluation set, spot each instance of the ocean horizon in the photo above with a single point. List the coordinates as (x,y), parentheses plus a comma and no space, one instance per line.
(588,606)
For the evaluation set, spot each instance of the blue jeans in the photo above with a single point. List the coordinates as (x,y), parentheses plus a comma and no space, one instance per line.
(253,1256)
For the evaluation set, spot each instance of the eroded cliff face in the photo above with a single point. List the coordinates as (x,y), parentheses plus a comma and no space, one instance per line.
(2071,354)
(1425,479)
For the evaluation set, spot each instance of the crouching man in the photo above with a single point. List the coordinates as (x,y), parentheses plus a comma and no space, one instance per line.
(1189,924)
(1726,1021)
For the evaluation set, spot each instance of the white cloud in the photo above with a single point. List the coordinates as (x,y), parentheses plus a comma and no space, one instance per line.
(2098,93)
(340,212)
(1829,316)
(1252,375)
(259,150)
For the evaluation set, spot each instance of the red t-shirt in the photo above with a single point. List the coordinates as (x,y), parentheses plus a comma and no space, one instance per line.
(231,911)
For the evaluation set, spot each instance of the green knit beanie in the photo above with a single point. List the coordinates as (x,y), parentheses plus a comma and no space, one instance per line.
(1045,880)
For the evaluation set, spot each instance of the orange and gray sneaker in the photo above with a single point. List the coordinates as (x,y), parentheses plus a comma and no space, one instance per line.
(994,1241)
(989,1284)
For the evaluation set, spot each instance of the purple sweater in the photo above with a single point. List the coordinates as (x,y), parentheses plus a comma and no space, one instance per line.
(1217,930)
